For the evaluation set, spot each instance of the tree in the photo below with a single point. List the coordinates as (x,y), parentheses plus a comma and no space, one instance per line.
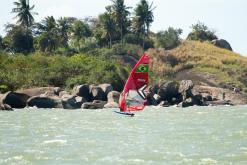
(49,38)
(168,39)
(80,31)
(143,17)
(121,13)
(24,13)
(18,39)
(201,32)
(63,29)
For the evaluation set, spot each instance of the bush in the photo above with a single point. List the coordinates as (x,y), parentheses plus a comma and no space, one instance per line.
(201,32)
(168,39)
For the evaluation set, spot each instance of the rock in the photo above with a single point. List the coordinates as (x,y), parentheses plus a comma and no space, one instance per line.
(222,44)
(63,93)
(197,99)
(48,91)
(113,96)
(164,104)
(44,102)
(82,90)
(72,102)
(97,93)
(168,91)
(186,103)
(218,102)
(185,88)
(208,98)
(111,105)
(153,100)
(107,88)
(96,104)
(57,90)
(14,99)
(5,107)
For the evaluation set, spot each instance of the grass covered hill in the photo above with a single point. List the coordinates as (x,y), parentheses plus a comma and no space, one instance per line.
(201,62)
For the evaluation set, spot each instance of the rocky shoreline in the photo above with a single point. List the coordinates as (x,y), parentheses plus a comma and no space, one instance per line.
(182,94)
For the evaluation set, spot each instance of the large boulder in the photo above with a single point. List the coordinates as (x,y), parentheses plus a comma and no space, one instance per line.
(44,102)
(113,96)
(63,93)
(82,90)
(185,88)
(168,91)
(97,93)
(111,105)
(48,91)
(96,104)
(107,88)
(222,44)
(72,102)
(14,99)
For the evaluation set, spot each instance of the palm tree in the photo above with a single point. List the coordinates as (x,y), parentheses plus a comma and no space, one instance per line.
(121,13)
(63,28)
(143,18)
(24,14)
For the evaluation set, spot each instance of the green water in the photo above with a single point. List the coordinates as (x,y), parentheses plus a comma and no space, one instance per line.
(196,135)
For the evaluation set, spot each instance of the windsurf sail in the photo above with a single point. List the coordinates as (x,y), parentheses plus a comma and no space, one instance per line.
(134,95)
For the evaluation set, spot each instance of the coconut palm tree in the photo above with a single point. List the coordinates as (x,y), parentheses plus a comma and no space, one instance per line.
(120,12)
(24,13)
(143,18)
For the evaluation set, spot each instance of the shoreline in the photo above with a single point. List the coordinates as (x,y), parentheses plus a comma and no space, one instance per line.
(166,94)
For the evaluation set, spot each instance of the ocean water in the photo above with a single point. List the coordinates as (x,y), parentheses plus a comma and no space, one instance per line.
(195,135)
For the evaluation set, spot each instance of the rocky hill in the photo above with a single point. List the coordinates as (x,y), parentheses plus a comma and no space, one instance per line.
(201,62)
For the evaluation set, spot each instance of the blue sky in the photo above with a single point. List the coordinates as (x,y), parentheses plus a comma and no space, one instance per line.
(226,17)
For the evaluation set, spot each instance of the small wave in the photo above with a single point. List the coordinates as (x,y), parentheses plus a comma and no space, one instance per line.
(55,141)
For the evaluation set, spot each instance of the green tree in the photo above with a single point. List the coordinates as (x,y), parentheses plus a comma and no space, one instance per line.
(143,17)
(168,39)
(80,31)
(24,13)
(63,29)
(48,40)
(201,32)
(18,39)
(109,26)
(121,13)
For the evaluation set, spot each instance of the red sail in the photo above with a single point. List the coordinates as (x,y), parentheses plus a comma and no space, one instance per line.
(134,95)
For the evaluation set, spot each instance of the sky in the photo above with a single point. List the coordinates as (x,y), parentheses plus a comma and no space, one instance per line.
(226,17)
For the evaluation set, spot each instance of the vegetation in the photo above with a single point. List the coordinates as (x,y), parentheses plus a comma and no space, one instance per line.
(201,61)
(201,32)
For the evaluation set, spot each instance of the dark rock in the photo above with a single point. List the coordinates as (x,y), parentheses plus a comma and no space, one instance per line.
(44,102)
(111,105)
(222,44)
(96,104)
(186,103)
(208,98)
(153,100)
(113,96)
(82,90)
(72,102)
(218,102)
(97,93)
(185,88)
(168,91)
(14,99)
(197,99)
(107,88)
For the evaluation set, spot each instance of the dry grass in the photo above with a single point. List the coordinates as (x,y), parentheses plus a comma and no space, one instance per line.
(203,57)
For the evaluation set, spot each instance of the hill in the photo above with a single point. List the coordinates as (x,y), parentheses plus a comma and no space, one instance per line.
(201,62)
